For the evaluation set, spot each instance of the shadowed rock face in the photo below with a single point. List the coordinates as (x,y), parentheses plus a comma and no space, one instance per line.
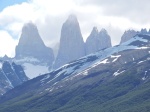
(71,42)
(31,45)
(11,75)
(97,41)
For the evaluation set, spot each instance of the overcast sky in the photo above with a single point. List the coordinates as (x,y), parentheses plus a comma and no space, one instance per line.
(115,16)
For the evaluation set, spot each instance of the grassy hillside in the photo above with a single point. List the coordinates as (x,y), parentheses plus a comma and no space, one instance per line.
(124,93)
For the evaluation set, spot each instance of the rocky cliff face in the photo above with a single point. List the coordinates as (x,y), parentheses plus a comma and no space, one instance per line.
(71,42)
(128,35)
(31,45)
(32,53)
(11,75)
(97,41)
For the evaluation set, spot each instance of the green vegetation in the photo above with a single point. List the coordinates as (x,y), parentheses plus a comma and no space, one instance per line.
(97,93)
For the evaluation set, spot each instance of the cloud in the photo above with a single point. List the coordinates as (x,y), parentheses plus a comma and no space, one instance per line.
(136,11)
(49,15)
(7,44)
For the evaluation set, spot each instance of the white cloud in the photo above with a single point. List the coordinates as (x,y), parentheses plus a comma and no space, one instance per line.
(7,44)
(49,16)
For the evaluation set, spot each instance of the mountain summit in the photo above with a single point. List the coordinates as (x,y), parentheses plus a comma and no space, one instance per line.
(72,19)
(97,41)
(71,42)
(32,53)
(31,45)
(128,35)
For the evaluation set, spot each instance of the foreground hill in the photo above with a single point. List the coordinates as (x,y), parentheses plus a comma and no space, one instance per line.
(112,80)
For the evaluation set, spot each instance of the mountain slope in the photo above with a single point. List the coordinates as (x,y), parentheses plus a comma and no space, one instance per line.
(109,80)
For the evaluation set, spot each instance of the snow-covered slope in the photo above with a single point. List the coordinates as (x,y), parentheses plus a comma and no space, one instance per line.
(82,66)
(33,67)
(34,70)
(131,33)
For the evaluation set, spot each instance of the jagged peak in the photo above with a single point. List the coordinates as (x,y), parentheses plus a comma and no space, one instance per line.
(5,56)
(104,31)
(129,31)
(144,30)
(94,30)
(93,33)
(28,26)
(30,30)
(128,34)
(72,18)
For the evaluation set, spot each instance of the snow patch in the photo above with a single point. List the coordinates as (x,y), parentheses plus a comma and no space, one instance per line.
(82,65)
(98,63)
(143,48)
(1,65)
(55,83)
(141,62)
(116,57)
(27,59)
(117,73)
(85,72)
(145,77)
(134,39)
(32,70)
(46,77)
(104,61)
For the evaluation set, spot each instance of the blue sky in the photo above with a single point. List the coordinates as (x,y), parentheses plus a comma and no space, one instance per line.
(5,3)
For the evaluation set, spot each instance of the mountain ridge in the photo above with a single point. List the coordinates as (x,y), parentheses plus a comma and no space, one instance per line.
(11,75)
(97,41)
